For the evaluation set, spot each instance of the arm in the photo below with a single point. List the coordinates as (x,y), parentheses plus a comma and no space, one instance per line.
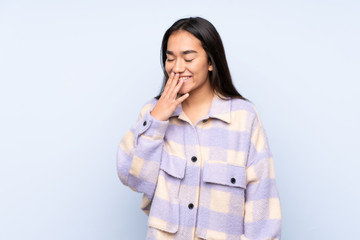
(139,154)
(262,218)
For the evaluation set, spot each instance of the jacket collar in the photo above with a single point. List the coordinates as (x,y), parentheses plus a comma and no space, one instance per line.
(220,109)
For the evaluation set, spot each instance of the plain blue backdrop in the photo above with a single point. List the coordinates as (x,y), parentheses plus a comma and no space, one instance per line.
(74,75)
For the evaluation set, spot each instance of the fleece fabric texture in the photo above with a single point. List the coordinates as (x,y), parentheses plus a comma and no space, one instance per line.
(214,179)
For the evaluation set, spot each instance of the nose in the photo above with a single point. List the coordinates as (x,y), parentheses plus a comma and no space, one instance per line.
(178,66)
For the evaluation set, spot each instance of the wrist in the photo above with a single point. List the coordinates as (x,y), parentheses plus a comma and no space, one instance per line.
(156,116)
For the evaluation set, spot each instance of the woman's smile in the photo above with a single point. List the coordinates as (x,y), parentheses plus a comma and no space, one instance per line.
(185,79)
(186,56)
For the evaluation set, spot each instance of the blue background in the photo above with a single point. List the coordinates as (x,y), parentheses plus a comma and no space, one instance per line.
(74,75)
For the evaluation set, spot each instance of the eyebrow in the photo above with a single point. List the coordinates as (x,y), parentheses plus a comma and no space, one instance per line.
(183,52)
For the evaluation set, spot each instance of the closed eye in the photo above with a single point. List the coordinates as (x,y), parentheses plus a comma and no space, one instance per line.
(170,60)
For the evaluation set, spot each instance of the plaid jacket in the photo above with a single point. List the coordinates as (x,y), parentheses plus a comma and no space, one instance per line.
(210,180)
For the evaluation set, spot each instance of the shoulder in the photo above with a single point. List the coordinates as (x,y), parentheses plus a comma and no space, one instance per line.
(148,105)
(247,109)
(238,104)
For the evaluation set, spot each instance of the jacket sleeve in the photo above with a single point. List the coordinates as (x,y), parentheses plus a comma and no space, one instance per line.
(262,217)
(139,155)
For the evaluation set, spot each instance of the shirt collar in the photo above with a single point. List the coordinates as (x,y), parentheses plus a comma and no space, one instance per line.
(220,109)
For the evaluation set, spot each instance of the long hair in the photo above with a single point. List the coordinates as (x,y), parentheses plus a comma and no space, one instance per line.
(202,29)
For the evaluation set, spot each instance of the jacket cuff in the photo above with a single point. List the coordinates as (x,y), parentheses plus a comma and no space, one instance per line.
(150,127)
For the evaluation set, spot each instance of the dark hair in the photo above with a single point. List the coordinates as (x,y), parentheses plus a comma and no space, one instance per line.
(202,29)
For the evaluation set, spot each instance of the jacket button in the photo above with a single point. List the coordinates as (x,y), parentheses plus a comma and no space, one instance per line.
(233,180)
(144,123)
(193,159)
(191,206)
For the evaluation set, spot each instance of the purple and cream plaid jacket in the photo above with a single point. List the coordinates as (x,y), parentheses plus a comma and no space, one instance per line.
(213,179)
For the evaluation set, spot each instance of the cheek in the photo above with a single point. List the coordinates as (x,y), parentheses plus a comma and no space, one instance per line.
(199,68)
(167,68)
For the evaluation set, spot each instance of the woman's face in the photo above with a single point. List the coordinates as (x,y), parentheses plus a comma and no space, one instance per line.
(186,56)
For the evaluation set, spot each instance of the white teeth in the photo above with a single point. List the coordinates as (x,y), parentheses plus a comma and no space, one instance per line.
(183,78)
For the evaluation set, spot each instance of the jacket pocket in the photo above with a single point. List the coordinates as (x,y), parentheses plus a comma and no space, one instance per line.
(164,212)
(222,197)
(225,174)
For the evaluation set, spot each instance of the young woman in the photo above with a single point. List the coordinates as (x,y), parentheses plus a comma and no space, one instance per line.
(198,152)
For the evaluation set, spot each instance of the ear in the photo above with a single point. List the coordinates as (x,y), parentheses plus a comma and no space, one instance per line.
(210,67)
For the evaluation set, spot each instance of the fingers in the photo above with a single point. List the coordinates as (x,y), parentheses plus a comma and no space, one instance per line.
(174,81)
(170,93)
(181,99)
(167,85)
(172,88)
(176,89)
(171,78)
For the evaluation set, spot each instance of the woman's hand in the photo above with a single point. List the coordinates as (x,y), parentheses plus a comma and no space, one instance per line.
(168,102)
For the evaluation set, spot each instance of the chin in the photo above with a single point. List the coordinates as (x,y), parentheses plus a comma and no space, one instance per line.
(184,91)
